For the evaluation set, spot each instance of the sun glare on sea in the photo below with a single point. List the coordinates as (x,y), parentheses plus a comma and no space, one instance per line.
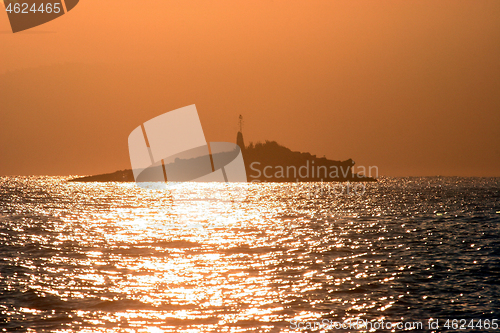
(199,257)
(158,238)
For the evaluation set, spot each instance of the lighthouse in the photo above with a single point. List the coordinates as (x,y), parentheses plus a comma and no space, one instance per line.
(239,137)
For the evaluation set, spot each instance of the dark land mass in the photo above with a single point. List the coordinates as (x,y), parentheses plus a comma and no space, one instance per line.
(272,162)
(264,162)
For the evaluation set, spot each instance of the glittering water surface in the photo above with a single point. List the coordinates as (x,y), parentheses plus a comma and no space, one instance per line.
(114,257)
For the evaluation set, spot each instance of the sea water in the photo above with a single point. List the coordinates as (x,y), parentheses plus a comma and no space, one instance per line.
(113,257)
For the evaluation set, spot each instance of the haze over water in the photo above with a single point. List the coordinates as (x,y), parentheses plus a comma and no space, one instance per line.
(112,257)
(408,86)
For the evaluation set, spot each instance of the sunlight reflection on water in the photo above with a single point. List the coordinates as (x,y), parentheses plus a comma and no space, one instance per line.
(114,257)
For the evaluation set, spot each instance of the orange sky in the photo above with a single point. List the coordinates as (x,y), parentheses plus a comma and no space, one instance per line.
(412,87)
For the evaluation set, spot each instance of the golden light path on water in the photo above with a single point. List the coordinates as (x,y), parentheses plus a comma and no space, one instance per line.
(222,279)
(113,257)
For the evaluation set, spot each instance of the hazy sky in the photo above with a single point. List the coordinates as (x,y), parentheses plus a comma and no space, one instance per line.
(412,87)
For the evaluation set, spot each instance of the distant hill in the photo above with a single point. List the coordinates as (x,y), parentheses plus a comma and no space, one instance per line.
(272,162)
(264,162)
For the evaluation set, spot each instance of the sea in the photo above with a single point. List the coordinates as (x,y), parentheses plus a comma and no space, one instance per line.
(252,257)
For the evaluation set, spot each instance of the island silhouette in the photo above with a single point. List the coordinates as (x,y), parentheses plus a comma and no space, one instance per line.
(264,162)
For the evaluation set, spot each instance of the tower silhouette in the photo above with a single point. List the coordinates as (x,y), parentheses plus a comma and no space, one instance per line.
(239,136)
